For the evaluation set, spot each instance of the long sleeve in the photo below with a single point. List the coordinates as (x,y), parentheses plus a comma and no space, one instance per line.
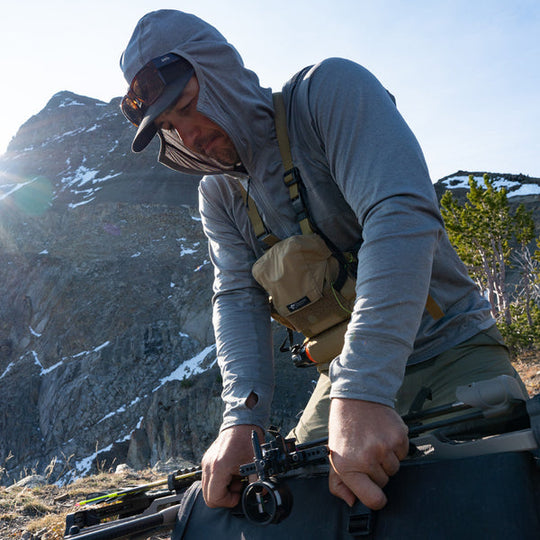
(241,315)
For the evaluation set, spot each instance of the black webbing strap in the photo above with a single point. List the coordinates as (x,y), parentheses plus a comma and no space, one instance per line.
(533,410)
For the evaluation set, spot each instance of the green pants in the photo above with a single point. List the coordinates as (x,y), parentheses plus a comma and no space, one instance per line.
(479,358)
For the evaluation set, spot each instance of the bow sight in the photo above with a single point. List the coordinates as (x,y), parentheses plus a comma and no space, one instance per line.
(268,500)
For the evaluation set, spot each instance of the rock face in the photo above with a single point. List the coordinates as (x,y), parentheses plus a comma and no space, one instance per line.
(106,344)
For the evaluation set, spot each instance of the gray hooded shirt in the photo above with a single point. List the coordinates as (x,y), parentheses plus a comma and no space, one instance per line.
(367,187)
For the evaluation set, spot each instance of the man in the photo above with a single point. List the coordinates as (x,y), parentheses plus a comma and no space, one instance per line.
(368,190)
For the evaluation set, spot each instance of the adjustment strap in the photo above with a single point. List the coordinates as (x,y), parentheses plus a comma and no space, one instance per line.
(282,134)
(433,308)
(261,232)
(291,176)
(361,520)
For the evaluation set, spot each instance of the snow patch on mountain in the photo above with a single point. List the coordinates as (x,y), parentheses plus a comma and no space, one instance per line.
(84,177)
(198,364)
(514,188)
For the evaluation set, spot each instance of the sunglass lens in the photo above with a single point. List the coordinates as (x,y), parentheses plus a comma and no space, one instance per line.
(132,111)
(147,85)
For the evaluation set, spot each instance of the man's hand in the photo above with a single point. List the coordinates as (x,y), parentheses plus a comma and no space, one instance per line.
(220,465)
(367,441)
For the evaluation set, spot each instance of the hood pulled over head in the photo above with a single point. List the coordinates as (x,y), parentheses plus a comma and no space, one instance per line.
(229,94)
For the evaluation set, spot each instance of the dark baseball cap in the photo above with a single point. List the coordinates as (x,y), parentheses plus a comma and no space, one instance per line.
(157,76)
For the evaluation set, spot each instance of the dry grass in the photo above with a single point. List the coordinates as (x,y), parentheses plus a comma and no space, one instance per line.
(39,513)
(528,366)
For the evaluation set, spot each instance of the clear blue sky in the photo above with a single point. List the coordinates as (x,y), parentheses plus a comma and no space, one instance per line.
(466,73)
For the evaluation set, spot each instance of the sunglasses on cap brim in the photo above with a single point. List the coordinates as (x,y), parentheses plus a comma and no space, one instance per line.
(150,82)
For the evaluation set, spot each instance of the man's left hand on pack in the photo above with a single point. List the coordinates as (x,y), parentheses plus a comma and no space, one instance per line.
(367,441)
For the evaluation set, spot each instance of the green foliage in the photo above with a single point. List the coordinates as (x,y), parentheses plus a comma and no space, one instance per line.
(486,233)
(536,255)
(524,331)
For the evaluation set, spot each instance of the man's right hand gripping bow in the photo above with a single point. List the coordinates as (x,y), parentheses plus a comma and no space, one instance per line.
(221,465)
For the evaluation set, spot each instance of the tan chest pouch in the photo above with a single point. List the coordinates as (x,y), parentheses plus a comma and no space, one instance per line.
(309,289)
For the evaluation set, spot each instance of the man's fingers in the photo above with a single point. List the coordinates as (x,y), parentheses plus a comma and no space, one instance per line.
(390,465)
(236,487)
(367,490)
(221,486)
(366,486)
(376,474)
(359,485)
(402,448)
(339,489)
(367,440)
(216,486)
(215,496)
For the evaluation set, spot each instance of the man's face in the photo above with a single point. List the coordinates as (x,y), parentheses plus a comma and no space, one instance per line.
(197,132)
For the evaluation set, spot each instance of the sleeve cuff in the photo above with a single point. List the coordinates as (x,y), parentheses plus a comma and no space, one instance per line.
(367,375)
(237,412)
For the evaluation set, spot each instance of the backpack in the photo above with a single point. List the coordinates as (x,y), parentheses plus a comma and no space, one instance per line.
(493,497)
(473,475)
(482,480)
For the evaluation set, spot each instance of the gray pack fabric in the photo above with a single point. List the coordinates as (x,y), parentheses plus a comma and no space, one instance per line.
(494,496)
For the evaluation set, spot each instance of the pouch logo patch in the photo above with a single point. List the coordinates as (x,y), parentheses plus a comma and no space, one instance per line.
(294,306)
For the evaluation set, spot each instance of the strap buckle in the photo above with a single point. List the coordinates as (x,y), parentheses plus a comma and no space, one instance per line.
(291,177)
(361,520)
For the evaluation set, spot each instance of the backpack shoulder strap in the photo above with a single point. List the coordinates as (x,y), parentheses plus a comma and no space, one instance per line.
(280,119)
(260,229)
(291,176)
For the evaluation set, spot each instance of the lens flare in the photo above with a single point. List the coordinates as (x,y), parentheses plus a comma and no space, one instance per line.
(32,197)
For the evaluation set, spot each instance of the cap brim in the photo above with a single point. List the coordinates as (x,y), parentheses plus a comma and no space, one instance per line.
(147,128)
